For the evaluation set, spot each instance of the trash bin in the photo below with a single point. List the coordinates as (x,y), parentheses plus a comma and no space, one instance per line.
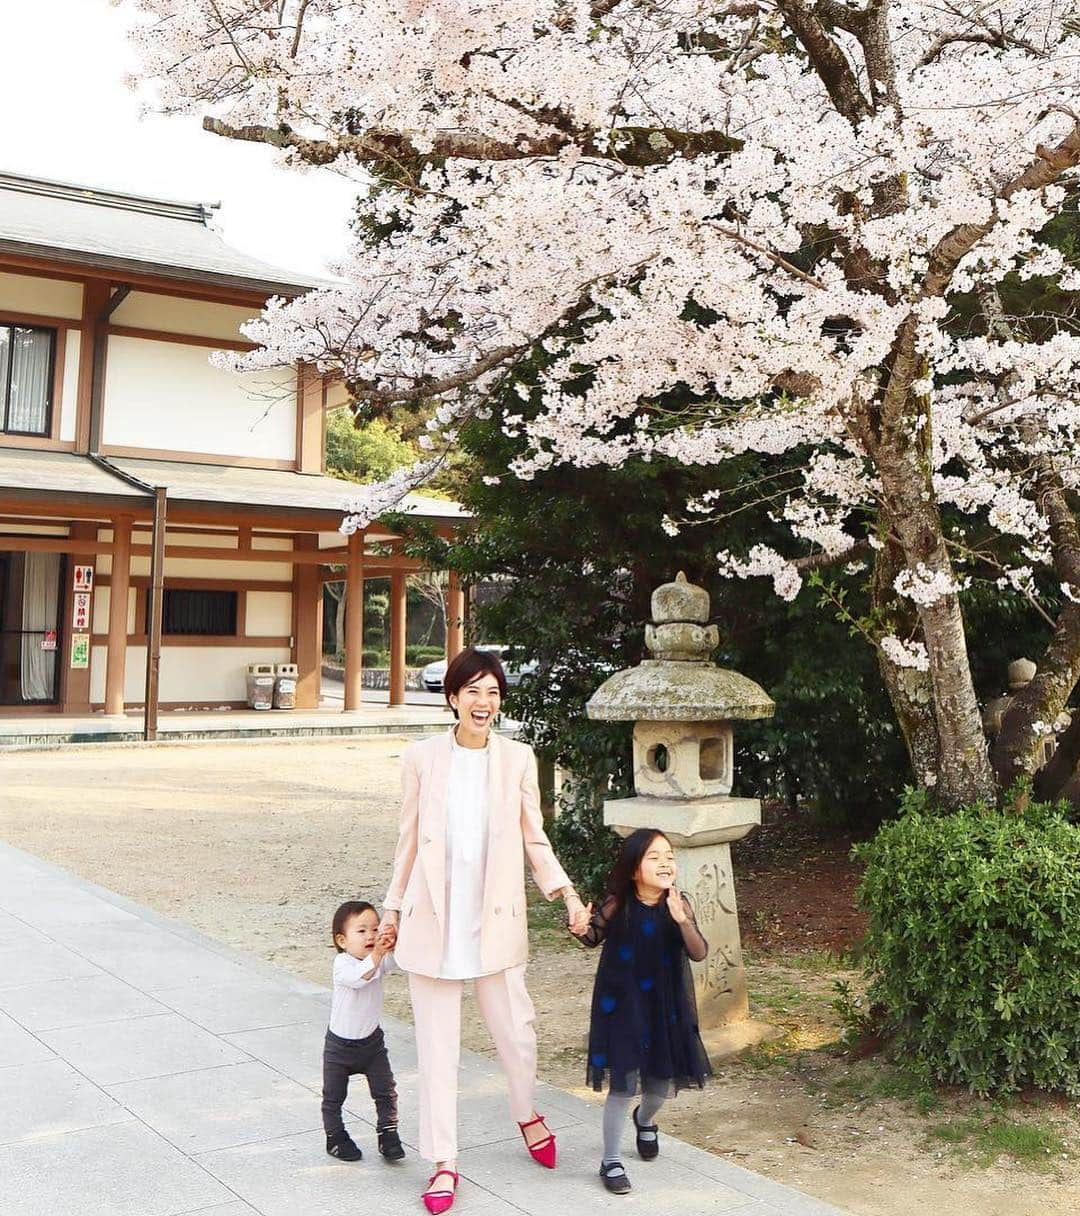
(285,677)
(260,685)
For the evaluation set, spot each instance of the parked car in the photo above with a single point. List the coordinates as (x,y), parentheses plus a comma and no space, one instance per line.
(433,673)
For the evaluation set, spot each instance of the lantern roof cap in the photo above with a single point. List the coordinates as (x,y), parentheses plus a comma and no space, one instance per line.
(680,683)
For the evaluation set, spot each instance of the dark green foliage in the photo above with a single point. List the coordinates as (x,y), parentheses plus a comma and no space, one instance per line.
(973,950)
(420,656)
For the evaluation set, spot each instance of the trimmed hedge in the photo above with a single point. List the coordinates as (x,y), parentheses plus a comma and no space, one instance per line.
(973,950)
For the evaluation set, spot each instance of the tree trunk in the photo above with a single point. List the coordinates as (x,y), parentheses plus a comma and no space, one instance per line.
(339,615)
(910,691)
(964,772)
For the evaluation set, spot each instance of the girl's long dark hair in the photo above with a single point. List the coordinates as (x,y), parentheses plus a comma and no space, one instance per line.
(620,885)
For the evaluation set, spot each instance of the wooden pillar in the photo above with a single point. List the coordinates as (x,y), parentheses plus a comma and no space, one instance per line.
(307,630)
(75,681)
(119,585)
(455,618)
(398,625)
(354,621)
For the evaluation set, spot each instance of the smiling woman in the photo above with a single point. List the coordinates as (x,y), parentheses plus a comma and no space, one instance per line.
(456,906)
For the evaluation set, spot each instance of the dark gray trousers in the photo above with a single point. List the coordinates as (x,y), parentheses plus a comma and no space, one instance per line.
(343,1058)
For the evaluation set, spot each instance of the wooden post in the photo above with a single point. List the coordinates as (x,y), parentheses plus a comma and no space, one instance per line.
(307,636)
(75,681)
(354,621)
(398,626)
(455,618)
(154,609)
(119,584)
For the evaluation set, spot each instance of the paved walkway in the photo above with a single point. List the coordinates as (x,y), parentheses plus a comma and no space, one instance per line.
(146,1070)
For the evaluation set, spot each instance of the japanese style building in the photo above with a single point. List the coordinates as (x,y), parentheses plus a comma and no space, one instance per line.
(128,460)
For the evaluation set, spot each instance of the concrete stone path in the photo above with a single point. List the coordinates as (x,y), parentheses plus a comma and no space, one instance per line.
(146,1070)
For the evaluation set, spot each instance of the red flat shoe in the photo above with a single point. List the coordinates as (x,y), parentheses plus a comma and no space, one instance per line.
(442,1200)
(543,1150)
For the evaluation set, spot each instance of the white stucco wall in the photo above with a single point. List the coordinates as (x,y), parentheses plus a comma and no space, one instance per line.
(188,673)
(199,674)
(43,297)
(269,614)
(166,396)
(68,404)
(145,310)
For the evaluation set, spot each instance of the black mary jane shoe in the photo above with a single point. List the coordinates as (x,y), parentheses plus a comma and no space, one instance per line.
(343,1147)
(647,1149)
(614,1177)
(390,1144)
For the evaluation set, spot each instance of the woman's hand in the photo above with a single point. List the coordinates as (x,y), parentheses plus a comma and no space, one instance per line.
(578,914)
(675,906)
(387,931)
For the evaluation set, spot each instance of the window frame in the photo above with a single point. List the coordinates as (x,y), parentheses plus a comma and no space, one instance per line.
(50,401)
(237,616)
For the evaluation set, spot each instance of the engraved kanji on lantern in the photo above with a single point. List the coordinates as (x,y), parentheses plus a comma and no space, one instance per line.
(682,706)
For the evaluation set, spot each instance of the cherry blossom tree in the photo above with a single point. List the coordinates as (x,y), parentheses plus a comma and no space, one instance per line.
(797,216)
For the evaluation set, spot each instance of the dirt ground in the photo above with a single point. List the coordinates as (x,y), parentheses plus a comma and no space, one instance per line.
(256,843)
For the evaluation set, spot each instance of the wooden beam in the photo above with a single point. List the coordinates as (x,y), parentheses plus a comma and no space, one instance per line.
(309,419)
(307,626)
(95,297)
(53,544)
(160,335)
(75,681)
(161,285)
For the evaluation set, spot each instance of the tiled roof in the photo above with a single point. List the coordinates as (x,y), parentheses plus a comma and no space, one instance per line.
(105,228)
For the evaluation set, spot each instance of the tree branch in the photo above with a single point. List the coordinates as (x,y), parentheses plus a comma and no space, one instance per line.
(829,60)
(819,561)
(1050,164)
(635,146)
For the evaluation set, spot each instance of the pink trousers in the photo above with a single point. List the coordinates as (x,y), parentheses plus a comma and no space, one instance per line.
(508,1013)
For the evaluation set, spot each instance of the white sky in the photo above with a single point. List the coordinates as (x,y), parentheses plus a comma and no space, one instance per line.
(67,114)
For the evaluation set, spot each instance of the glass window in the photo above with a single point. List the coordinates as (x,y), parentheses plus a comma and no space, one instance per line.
(26,373)
(205,613)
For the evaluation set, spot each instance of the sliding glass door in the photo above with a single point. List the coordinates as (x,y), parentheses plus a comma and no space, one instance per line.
(30,614)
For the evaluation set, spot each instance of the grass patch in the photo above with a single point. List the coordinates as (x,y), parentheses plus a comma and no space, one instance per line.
(773,1052)
(983,1141)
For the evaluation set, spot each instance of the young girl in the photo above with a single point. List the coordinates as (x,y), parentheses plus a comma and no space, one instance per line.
(354,1039)
(643,1032)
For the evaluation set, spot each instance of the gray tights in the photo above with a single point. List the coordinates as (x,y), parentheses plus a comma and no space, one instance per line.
(616,1108)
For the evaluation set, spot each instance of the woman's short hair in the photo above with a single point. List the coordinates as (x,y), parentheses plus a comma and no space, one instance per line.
(469,665)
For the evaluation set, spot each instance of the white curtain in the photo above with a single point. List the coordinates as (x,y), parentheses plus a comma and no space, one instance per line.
(41,589)
(28,405)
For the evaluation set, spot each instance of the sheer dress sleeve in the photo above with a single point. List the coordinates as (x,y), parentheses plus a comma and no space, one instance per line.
(693,939)
(597,931)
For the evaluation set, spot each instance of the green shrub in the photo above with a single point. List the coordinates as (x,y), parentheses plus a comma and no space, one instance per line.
(973,949)
(375,658)
(420,656)
(585,847)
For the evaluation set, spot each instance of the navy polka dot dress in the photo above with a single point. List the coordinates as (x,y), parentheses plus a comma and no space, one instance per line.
(644,1020)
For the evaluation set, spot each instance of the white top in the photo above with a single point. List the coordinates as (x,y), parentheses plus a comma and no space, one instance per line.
(356,1006)
(466,858)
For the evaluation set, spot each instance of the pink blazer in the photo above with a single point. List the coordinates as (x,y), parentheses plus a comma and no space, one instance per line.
(515,831)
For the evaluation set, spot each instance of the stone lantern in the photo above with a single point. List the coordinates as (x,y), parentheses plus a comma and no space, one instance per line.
(682,706)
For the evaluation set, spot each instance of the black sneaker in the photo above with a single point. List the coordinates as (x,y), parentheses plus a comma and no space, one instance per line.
(648,1147)
(390,1144)
(343,1147)
(614,1177)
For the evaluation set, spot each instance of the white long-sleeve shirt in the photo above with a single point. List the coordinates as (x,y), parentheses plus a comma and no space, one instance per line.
(356,1005)
(466,859)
